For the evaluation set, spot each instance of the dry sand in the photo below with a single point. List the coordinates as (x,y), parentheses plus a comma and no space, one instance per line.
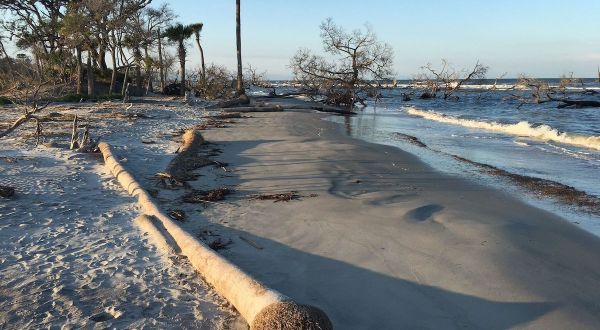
(70,254)
(390,243)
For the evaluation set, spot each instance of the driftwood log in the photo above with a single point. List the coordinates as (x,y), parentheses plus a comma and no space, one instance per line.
(241,100)
(578,104)
(263,308)
(187,158)
(275,108)
(322,108)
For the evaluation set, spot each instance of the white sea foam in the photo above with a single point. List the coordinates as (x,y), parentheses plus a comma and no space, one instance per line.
(523,129)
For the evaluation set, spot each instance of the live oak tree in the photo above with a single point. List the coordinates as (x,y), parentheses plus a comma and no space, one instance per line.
(357,61)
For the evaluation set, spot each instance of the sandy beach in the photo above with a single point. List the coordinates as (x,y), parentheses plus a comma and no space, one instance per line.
(375,237)
(389,243)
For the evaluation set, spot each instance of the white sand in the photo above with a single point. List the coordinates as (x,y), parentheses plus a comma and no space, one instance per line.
(69,251)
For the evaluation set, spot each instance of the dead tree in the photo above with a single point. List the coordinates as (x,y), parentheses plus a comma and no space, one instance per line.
(447,79)
(29,101)
(542,92)
(360,61)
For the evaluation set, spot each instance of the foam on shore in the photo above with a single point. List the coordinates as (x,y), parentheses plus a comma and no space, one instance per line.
(522,128)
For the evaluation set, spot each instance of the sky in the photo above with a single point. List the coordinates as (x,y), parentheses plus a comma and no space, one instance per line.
(540,38)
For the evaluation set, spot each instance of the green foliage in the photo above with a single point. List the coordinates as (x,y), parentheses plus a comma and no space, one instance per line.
(179,32)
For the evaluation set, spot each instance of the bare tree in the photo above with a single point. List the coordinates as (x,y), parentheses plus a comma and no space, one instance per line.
(542,92)
(447,78)
(27,92)
(361,61)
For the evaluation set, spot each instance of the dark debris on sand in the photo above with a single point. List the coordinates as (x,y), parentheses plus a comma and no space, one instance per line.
(203,196)
(282,197)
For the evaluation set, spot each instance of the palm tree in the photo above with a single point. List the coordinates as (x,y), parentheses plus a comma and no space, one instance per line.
(240,83)
(197,28)
(179,33)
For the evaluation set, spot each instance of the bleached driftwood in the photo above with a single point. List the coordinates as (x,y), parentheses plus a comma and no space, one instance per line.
(147,224)
(263,308)
(29,114)
(74,135)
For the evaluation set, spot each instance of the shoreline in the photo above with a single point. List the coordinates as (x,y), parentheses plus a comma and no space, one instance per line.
(389,241)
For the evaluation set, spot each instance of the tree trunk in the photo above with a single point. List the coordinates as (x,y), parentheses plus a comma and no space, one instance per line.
(125,80)
(240,82)
(79,71)
(90,75)
(102,59)
(113,78)
(138,71)
(160,64)
(182,66)
(148,68)
(201,57)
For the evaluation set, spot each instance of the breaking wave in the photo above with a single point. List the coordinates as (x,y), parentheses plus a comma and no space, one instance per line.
(523,129)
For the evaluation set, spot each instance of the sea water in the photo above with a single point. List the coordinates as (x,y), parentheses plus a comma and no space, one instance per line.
(493,126)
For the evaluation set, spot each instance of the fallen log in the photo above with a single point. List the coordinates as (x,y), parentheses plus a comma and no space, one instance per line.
(275,108)
(186,160)
(148,225)
(263,308)
(6,191)
(230,115)
(322,109)
(578,104)
(241,100)
(20,121)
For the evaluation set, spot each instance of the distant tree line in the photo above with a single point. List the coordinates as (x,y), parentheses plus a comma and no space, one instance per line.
(107,45)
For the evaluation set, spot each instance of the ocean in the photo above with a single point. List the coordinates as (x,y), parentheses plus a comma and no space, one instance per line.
(486,134)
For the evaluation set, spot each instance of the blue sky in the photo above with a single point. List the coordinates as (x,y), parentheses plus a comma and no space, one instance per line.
(542,38)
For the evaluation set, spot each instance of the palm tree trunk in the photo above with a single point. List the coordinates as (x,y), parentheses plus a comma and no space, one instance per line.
(160,63)
(182,66)
(201,57)
(240,83)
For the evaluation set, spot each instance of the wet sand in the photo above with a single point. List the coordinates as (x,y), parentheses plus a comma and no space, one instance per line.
(389,242)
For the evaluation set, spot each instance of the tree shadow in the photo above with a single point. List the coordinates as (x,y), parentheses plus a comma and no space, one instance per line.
(358,298)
